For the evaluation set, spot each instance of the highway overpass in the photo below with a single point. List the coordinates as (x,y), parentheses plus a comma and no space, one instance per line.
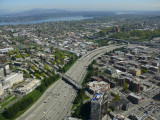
(53,107)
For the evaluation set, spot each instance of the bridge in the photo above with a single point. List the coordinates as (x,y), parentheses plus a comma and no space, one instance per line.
(71,81)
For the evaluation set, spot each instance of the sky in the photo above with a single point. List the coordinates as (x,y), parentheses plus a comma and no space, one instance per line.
(91,5)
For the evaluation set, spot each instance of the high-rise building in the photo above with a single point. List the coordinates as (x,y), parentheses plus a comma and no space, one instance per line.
(1,89)
(1,72)
(6,70)
(98,106)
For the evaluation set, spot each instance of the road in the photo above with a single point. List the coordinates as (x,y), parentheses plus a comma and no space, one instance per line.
(56,102)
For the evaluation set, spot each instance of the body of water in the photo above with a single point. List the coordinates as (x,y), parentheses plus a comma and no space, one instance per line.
(47,20)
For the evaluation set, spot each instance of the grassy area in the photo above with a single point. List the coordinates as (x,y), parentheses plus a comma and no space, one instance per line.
(83,111)
(69,65)
(85,80)
(35,94)
(83,99)
(74,106)
(7,102)
(6,98)
(81,96)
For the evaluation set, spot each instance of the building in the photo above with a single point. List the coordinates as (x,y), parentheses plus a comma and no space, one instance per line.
(6,70)
(94,78)
(111,71)
(71,118)
(134,98)
(1,89)
(121,104)
(12,79)
(135,71)
(3,58)
(115,29)
(29,87)
(6,50)
(120,117)
(130,56)
(1,72)
(96,86)
(96,107)
(135,86)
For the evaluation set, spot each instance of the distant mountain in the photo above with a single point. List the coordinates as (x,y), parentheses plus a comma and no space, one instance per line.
(43,14)
(31,12)
(5,12)
(148,13)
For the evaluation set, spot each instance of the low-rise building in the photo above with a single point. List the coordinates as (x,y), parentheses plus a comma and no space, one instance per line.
(29,87)
(135,98)
(96,86)
(121,104)
(135,71)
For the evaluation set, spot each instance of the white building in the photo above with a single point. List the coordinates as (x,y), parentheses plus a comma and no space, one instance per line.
(5,50)
(29,87)
(1,72)
(12,79)
(1,89)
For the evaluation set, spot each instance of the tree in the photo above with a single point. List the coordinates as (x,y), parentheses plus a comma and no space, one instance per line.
(144,71)
(18,56)
(27,75)
(46,67)
(37,75)
(53,63)
(125,87)
(43,74)
(33,67)
(13,58)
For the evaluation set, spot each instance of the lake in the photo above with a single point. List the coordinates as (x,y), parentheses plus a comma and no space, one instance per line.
(47,20)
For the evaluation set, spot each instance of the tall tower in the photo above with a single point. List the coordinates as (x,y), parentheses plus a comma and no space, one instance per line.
(96,107)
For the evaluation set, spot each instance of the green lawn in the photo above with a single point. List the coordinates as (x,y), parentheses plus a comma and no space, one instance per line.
(69,65)
(7,102)
(85,97)
(6,98)
(35,94)
(80,98)
(85,78)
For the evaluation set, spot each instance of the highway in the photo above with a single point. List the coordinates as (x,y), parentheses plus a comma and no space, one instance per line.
(56,102)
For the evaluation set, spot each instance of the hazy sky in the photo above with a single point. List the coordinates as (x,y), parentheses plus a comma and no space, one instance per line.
(81,4)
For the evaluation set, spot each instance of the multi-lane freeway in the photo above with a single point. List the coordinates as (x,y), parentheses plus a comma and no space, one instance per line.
(56,102)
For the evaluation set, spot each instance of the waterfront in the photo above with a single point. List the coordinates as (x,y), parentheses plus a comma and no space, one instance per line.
(46,20)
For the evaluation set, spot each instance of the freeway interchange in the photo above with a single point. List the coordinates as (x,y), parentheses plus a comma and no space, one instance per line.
(57,101)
